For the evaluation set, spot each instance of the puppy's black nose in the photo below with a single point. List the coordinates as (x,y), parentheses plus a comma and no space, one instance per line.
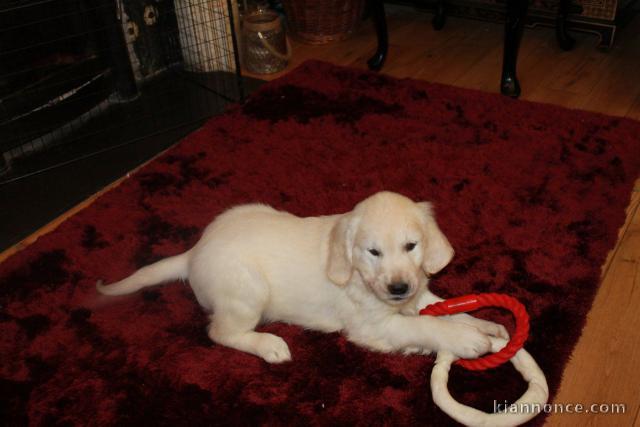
(399,288)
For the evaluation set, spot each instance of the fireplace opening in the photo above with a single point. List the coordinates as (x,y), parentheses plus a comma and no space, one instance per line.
(80,77)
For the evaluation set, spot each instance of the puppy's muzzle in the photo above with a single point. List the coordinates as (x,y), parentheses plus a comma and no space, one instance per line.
(398,289)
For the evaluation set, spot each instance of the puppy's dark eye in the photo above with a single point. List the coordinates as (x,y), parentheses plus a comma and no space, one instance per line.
(409,246)
(374,252)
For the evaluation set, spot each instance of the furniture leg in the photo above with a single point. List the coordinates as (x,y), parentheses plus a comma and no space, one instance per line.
(516,14)
(380,22)
(566,7)
(440,16)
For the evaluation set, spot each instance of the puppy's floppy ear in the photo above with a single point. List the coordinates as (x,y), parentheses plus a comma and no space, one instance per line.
(437,249)
(341,240)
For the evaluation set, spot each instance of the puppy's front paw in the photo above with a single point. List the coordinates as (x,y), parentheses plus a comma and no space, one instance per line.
(485,326)
(490,328)
(273,349)
(493,329)
(466,342)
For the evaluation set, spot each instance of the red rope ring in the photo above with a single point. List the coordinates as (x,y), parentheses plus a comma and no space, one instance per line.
(474,302)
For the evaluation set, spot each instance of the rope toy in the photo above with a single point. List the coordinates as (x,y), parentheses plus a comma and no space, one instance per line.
(529,404)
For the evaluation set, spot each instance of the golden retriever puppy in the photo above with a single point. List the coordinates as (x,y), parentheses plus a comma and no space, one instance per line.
(364,273)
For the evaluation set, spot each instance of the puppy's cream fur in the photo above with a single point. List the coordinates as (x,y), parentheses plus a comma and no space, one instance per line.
(255,264)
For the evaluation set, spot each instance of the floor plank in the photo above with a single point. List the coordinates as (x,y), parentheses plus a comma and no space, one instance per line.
(618,86)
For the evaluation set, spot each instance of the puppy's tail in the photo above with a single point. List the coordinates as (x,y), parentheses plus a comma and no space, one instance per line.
(175,267)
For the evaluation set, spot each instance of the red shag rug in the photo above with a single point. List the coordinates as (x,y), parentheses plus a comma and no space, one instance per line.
(531,196)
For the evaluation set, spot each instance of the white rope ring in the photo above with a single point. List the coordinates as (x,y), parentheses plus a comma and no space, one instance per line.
(528,406)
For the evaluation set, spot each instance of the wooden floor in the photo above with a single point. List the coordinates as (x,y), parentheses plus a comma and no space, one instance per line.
(603,369)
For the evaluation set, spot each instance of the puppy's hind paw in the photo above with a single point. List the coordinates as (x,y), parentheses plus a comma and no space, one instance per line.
(407,351)
(273,349)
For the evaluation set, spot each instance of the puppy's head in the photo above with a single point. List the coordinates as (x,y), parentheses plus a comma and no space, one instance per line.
(391,242)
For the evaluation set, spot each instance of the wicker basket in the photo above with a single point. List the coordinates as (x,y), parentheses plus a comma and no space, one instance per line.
(323,21)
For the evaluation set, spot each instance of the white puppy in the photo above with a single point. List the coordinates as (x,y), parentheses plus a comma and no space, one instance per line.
(364,273)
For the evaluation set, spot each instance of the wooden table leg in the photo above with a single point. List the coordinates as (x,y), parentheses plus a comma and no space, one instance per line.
(439,16)
(516,14)
(380,21)
(565,8)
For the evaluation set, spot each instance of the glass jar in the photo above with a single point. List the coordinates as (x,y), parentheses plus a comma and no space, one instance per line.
(266,49)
